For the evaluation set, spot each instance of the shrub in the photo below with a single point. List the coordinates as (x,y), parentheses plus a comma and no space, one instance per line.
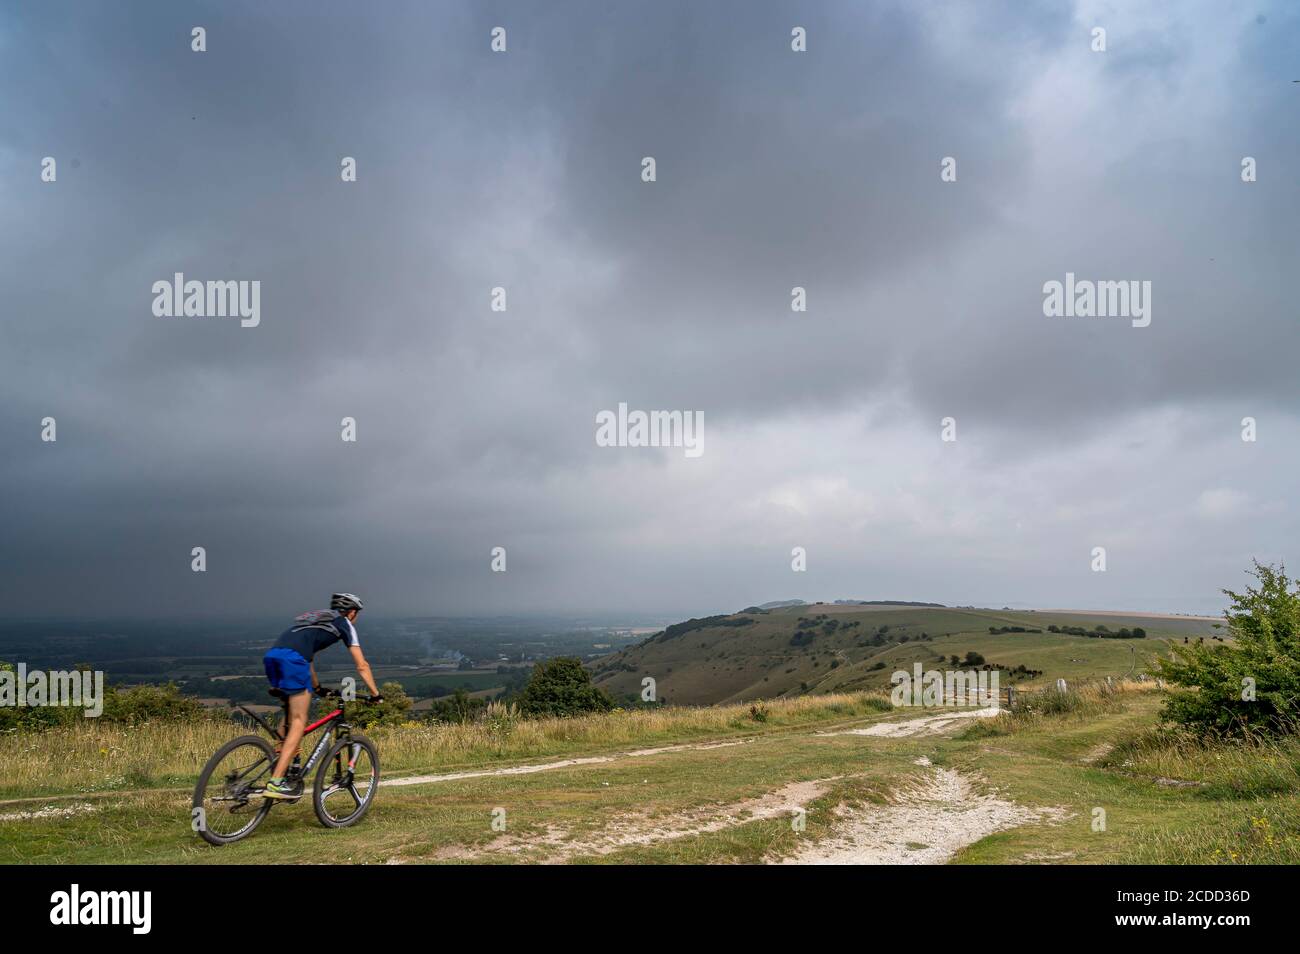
(392,711)
(1265,624)
(136,704)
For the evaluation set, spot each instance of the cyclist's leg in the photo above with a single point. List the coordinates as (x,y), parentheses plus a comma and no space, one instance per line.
(298,707)
(289,672)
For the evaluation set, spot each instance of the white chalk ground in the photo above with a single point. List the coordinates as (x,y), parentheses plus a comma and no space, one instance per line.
(556,846)
(928,822)
(50,811)
(562,763)
(926,725)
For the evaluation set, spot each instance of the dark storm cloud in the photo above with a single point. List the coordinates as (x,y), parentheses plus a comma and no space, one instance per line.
(775,169)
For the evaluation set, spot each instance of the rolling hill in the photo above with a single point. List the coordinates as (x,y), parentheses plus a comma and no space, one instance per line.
(820,648)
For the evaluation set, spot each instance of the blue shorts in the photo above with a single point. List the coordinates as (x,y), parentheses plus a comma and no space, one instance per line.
(287,670)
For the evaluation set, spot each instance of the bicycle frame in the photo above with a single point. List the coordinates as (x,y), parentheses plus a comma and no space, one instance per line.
(334,722)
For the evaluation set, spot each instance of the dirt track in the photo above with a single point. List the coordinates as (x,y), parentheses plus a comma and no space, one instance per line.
(928,819)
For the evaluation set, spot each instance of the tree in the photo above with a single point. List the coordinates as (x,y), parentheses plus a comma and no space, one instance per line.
(1252,685)
(562,687)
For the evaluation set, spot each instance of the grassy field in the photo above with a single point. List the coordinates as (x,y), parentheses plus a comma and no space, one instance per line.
(721,784)
(737,663)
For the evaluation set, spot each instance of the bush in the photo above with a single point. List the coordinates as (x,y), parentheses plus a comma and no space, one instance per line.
(562,687)
(392,711)
(131,705)
(138,704)
(1265,624)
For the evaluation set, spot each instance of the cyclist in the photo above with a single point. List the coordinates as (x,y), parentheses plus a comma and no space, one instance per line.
(289,668)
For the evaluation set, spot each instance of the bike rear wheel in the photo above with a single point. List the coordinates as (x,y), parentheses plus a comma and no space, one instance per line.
(228,803)
(346,782)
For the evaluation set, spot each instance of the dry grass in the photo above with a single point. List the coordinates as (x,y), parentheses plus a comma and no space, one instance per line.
(89,756)
(501,737)
(1079,702)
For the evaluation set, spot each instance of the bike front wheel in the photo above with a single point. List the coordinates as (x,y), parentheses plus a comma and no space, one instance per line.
(346,782)
(228,802)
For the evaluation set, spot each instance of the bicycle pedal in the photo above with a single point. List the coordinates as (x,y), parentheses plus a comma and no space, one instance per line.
(288,799)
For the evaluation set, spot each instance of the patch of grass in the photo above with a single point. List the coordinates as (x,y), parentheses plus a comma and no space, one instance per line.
(1251,768)
(1267,834)
(985,729)
(1089,699)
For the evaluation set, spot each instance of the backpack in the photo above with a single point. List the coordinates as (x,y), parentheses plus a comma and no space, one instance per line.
(315,619)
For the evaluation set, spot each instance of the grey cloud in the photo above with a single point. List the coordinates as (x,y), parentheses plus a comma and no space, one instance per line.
(522,170)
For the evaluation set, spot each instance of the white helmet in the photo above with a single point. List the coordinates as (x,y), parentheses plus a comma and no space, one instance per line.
(345,602)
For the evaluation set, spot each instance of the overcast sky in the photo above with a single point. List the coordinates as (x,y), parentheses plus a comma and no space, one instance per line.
(522,170)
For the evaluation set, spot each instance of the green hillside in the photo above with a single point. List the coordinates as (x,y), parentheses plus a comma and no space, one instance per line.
(826,647)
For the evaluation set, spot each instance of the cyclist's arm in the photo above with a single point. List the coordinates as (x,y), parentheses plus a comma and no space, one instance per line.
(363,669)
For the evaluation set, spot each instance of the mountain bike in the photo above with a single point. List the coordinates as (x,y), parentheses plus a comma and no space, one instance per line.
(228,800)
